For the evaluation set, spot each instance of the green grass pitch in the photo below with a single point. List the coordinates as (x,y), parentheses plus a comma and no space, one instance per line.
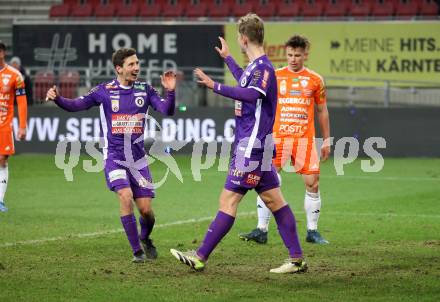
(61,241)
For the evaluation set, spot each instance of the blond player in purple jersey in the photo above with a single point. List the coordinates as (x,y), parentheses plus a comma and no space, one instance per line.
(251,161)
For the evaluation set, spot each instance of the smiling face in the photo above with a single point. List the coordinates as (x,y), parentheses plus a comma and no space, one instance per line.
(129,71)
(296,58)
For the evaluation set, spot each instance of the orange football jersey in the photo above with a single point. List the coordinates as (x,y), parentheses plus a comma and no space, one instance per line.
(11,85)
(298,92)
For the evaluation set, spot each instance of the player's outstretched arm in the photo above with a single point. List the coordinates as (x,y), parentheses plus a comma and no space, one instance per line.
(324,123)
(235,93)
(236,70)
(71,105)
(165,106)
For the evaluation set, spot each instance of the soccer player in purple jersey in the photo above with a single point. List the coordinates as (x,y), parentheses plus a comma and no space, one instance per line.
(250,167)
(123,104)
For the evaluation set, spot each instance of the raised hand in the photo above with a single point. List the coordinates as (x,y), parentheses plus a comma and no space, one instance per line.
(224,51)
(52,93)
(203,78)
(168,79)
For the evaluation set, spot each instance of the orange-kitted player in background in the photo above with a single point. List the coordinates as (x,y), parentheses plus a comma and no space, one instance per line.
(11,86)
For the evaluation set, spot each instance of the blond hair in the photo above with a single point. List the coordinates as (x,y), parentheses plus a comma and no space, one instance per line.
(252,27)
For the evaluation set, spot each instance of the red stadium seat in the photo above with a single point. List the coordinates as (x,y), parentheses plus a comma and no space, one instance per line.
(428,8)
(266,8)
(43,81)
(174,9)
(84,9)
(242,7)
(360,8)
(289,8)
(407,8)
(61,10)
(127,8)
(69,83)
(219,8)
(150,8)
(196,8)
(383,8)
(312,9)
(105,9)
(336,8)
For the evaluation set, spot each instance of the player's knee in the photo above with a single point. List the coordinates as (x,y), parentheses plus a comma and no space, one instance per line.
(146,212)
(3,161)
(125,196)
(313,186)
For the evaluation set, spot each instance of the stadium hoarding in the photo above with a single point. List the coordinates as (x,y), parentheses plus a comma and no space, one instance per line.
(405,53)
(411,131)
(90,45)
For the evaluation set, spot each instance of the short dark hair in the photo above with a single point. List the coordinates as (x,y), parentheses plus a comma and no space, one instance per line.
(252,27)
(120,55)
(2,45)
(298,41)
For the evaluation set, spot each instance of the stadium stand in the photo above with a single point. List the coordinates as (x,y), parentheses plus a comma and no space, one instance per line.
(150,9)
(174,9)
(43,81)
(69,83)
(196,8)
(105,9)
(219,9)
(268,9)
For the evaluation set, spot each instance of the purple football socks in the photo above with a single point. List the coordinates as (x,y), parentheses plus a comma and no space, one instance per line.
(287,228)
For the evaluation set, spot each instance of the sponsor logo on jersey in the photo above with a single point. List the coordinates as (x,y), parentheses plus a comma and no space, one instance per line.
(299,101)
(304,83)
(308,92)
(283,87)
(265,78)
(295,92)
(139,86)
(295,85)
(303,78)
(127,123)
(143,183)
(117,174)
(141,93)
(236,173)
(139,101)
(238,106)
(253,179)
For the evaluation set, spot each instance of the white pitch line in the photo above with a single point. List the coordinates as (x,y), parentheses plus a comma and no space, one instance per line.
(195,220)
(102,233)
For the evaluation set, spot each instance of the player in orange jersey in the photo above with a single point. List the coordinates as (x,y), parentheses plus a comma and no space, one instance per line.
(300,92)
(11,85)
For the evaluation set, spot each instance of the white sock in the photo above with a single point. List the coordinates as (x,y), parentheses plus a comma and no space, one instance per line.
(312,206)
(263,215)
(3,182)
(263,212)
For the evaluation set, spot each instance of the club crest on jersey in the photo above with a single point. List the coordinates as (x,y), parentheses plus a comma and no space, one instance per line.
(304,83)
(139,101)
(243,82)
(115,105)
(283,87)
(5,80)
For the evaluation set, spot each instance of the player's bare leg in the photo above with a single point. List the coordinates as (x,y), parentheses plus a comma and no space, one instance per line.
(128,221)
(312,207)
(259,234)
(4,175)
(219,227)
(286,222)
(146,221)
